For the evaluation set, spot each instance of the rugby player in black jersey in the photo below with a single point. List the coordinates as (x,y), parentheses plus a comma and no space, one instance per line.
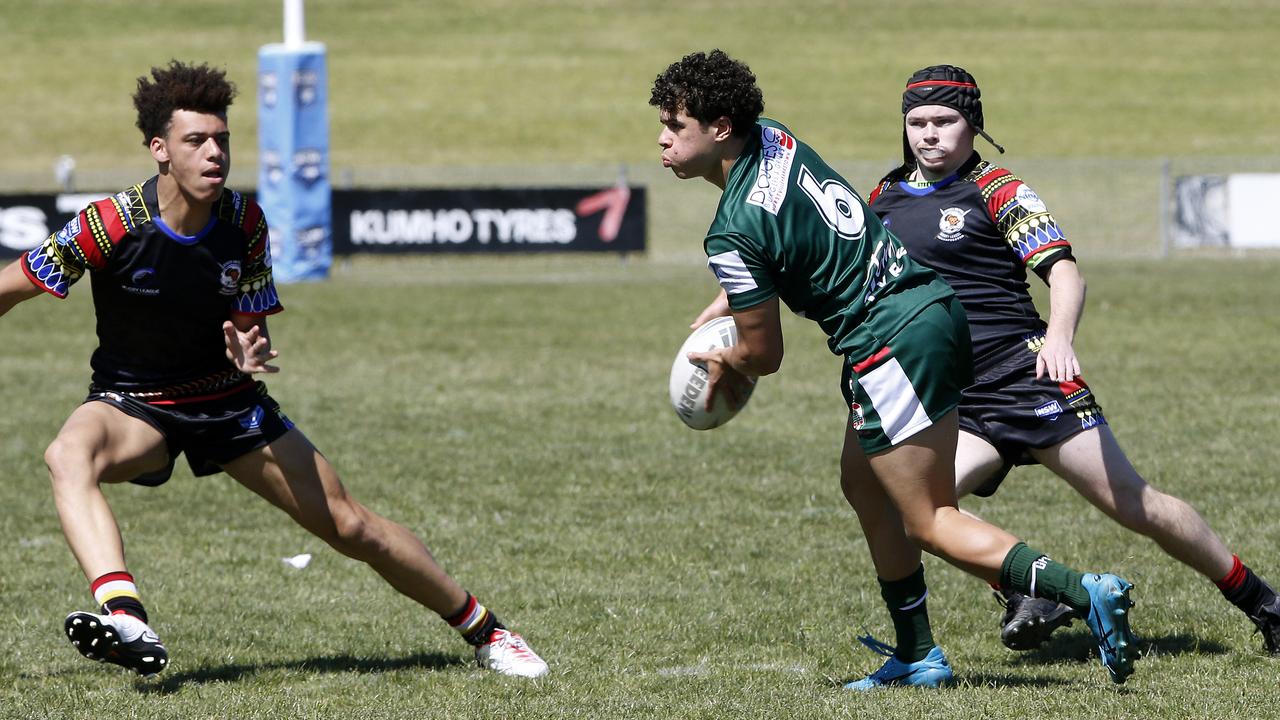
(182,287)
(982,228)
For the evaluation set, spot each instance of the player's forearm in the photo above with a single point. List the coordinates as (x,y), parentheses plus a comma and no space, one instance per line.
(752,362)
(14,287)
(1066,300)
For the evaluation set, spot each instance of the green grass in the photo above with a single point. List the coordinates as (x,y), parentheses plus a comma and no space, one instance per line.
(514,415)
(512,411)
(508,82)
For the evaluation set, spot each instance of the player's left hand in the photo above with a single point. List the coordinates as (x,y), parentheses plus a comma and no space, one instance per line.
(723,378)
(1057,359)
(249,351)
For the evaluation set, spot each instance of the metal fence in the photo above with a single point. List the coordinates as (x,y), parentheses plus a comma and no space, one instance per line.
(1110,208)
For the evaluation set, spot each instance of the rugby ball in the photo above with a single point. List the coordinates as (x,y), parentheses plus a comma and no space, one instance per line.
(689,381)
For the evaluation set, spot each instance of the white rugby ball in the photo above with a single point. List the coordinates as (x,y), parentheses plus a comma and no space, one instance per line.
(689,381)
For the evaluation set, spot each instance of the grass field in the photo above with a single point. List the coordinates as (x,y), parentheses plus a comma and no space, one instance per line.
(512,411)
(515,416)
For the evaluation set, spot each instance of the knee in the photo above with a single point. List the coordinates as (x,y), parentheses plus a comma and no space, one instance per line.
(63,456)
(1150,511)
(353,531)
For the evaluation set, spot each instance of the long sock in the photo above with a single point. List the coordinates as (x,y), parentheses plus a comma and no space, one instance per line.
(117,593)
(1033,573)
(910,615)
(1244,589)
(474,622)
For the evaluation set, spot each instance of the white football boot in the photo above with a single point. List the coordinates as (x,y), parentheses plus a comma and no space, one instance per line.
(121,639)
(507,653)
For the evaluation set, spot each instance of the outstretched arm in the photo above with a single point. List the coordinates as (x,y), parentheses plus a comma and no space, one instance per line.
(1066,304)
(15,287)
(249,344)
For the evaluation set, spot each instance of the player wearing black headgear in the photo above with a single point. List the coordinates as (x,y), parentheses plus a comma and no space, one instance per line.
(982,228)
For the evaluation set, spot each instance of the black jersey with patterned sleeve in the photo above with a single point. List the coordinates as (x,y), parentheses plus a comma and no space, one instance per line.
(980,228)
(161,297)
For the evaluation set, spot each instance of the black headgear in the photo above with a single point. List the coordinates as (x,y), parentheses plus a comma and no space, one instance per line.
(949,86)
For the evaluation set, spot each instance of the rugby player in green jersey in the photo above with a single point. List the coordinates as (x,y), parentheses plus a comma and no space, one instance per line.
(790,229)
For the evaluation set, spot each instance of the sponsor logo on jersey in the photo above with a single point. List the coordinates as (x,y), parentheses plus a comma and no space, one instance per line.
(1027,198)
(732,272)
(68,231)
(951,224)
(139,280)
(124,201)
(777,151)
(230,278)
(1050,410)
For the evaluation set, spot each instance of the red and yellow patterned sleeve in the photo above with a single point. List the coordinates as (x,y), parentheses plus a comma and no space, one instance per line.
(85,243)
(1023,220)
(257,291)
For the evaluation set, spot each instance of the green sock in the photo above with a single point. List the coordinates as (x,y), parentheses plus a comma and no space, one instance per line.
(910,614)
(1033,573)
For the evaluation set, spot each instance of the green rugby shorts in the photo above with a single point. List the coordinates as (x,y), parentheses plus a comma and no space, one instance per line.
(913,381)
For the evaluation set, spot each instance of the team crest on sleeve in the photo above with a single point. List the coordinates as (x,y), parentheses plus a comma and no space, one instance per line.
(1027,198)
(732,272)
(777,151)
(230,278)
(951,224)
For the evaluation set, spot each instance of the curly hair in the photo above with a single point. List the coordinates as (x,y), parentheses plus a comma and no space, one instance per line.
(708,86)
(179,87)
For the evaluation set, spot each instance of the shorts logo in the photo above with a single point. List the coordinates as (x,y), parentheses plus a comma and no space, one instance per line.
(856,418)
(1027,198)
(1050,410)
(951,224)
(777,150)
(230,278)
(68,232)
(254,420)
(1090,418)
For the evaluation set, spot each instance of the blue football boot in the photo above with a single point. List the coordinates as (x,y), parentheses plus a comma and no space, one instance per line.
(1108,619)
(931,672)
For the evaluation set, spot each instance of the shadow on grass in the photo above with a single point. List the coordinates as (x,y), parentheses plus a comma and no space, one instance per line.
(1080,646)
(172,682)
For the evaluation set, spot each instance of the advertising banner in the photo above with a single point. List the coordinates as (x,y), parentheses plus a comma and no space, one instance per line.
(611,219)
(489,220)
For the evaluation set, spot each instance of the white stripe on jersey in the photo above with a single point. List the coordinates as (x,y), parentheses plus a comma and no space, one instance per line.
(901,413)
(732,272)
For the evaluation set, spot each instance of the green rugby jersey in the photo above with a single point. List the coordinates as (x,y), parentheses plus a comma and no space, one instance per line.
(789,226)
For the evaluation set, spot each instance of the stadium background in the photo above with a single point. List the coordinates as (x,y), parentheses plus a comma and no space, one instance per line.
(512,411)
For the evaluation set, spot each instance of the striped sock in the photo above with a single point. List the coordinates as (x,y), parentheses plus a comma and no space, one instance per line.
(1244,589)
(910,614)
(474,622)
(116,592)
(1031,572)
